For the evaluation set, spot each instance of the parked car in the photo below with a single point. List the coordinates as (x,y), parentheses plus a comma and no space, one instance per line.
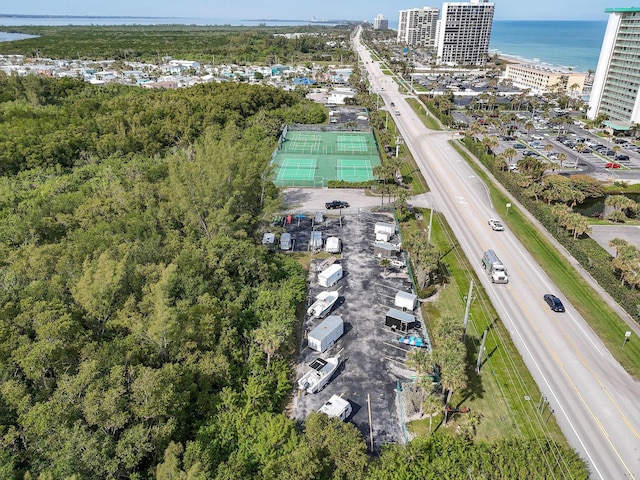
(334,204)
(612,165)
(609,153)
(518,146)
(622,156)
(554,302)
(496,225)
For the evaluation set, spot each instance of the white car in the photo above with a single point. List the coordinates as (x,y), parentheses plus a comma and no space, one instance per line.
(496,225)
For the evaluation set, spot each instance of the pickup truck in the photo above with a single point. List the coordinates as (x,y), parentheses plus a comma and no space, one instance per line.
(334,204)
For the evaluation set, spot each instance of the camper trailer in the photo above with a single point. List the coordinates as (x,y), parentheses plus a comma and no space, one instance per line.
(384,231)
(333,245)
(399,320)
(326,334)
(406,300)
(337,407)
(330,276)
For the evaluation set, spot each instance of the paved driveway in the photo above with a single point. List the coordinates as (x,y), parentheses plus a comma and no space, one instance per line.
(309,200)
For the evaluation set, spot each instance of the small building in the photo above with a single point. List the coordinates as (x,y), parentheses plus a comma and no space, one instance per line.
(385,249)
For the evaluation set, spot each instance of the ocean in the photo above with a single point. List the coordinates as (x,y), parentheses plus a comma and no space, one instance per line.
(574,44)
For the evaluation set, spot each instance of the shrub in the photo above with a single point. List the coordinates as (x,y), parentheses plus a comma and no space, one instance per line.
(617,216)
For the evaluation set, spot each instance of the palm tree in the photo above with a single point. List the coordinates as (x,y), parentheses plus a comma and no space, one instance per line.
(528,126)
(490,143)
(432,405)
(547,148)
(561,158)
(501,162)
(618,243)
(510,153)
(270,337)
(577,223)
(385,263)
(627,261)
(580,148)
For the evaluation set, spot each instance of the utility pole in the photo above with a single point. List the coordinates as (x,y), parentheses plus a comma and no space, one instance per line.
(466,311)
(431,223)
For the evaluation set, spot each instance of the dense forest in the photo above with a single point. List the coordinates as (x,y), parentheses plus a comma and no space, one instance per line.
(240,45)
(144,331)
(47,122)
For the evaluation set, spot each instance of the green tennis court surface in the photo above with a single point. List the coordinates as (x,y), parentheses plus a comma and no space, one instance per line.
(312,158)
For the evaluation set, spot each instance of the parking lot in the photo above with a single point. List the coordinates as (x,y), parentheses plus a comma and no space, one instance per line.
(373,357)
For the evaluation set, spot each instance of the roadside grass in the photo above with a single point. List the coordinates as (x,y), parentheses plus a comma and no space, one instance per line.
(413,177)
(621,187)
(409,169)
(386,71)
(597,313)
(629,222)
(505,394)
(429,121)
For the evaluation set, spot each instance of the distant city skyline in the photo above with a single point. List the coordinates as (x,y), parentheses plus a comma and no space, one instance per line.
(290,10)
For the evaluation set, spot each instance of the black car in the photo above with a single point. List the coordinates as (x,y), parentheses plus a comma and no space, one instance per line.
(554,302)
(334,204)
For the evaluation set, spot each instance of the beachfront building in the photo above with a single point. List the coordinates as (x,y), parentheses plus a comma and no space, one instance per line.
(380,23)
(464,33)
(616,85)
(417,26)
(544,78)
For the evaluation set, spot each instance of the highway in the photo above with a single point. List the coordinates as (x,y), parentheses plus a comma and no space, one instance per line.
(596,403)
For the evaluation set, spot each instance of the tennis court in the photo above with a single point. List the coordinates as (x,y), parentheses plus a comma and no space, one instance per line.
(312,158)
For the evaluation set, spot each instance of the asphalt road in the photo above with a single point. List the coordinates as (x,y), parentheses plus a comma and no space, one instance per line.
(596,403)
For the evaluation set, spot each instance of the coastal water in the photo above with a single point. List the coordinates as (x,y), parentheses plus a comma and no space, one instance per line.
(564,43)
(574,44)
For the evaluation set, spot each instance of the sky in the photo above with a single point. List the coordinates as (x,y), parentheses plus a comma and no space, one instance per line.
(302,10)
